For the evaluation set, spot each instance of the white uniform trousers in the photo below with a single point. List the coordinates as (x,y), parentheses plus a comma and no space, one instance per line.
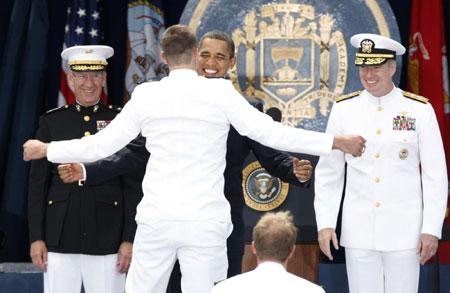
(200,247)
(98,273)
(371,271)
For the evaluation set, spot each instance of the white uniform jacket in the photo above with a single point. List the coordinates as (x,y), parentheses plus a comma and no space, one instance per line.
(398,188)
(267,277)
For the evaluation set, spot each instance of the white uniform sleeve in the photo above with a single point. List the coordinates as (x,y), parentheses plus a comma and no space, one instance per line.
(329,179)
(122,129)
(434,174)
(260,127)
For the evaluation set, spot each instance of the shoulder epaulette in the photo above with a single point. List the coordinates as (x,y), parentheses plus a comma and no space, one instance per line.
(54,110)
(114,108)
(146,81)
(415,97)
(349,96)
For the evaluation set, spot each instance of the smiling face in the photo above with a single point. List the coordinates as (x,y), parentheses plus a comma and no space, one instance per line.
(377,79)
(88,86)
(215,59)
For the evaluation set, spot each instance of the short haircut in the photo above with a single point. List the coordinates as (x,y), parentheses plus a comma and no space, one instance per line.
(221,36)
(274,236)
(178,43)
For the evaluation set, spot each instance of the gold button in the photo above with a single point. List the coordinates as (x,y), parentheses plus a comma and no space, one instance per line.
(380,108)
(378,131)
(377,204)
(110,106)
(404,140)
(377,180)
(116,203)
(87,133)
(377,155)
(87,118)
(66,106)
(50,202)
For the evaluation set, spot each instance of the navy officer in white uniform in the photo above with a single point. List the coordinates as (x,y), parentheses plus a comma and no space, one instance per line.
(396,192)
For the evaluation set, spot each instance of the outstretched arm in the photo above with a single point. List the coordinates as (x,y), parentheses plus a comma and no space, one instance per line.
(124,127)
(281,164)
(260,127)
(132,157)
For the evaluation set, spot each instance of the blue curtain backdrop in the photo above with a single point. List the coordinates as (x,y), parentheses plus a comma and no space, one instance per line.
(31,36)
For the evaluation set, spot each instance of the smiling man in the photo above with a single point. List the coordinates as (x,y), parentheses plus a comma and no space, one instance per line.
(81,234)
(396,192)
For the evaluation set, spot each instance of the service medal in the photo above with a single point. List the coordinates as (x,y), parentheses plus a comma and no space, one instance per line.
(101,124)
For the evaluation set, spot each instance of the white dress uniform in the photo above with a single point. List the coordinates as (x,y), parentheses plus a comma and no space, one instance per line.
(268,277)
(397,189)
(185,119)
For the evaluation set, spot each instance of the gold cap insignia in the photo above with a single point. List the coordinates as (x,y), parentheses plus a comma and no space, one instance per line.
(88,51)
(366,46)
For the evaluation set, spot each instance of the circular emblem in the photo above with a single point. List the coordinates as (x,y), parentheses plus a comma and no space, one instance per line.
(403,154)
(262,191)
(294,54)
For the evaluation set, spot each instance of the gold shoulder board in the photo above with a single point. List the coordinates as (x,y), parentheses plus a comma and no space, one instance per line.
(349,96)
(415,97)
(56,110)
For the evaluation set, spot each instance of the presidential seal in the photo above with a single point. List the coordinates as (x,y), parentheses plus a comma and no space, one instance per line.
(262,191)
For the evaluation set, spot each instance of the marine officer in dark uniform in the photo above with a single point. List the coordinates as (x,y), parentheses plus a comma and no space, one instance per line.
(81,234)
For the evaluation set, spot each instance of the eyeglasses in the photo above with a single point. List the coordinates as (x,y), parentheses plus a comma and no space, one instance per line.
(82,77)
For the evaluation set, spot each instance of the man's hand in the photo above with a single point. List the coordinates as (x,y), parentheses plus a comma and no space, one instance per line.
(34,149)
(38,254)
(427,247)
(70,172)
(302,169)
(124,258)
(352,144)
(325,236)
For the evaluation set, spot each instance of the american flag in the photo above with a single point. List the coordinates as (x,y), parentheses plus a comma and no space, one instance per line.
(83,27)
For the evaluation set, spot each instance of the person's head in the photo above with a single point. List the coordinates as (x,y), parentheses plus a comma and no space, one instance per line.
(216,52)
(376,60)
(179,46)
(274,237)
(87,71)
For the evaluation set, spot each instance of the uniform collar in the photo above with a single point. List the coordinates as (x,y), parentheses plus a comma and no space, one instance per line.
(183,73)
(88,109)
(270,265)
(384,99)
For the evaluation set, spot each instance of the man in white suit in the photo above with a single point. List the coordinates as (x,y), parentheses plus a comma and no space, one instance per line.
(274,244)
(396,192)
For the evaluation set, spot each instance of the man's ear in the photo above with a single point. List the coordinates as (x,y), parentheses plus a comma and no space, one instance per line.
(253,248)
(163,56)
(291,254)
(233,62)
(70,78)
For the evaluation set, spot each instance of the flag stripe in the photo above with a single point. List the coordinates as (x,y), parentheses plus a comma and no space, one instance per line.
(427,72)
